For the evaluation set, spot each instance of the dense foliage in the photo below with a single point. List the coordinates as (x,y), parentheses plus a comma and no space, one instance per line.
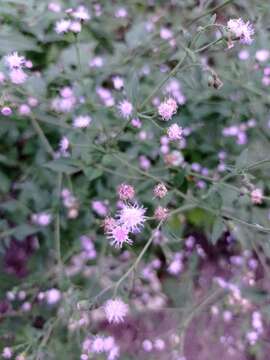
(134,185)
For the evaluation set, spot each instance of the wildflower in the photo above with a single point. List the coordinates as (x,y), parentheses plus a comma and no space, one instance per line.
(64,144)
(118,82)
(167,109)
(115,310)
(242,30)
(42,219)
(176,266)
(17,76)
(160,190)
(126,192)
(24,109)
(119,235)
(147,345)
(108,224)
(6,111)
(82,121)
(62,26)
(100,208)
(53,296)
(136,123)
(256,196)
(81,13)
(75,26)
(174,158)
(161,213)
(14,61)
(54,7)
(114,353)
(96,62)
(132,217)
(175,132)
(125,109)
(98,345)
(121,13)
(7,353)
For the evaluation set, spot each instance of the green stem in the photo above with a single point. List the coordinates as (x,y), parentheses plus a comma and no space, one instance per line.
(42,136)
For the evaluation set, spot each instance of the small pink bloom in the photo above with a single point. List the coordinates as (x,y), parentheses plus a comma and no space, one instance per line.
(125,108)
(167,109)
(116,310)
(119,235)
(160,190)
(6,111)
(257,196)
(126,192)
(161,213)
(175,132)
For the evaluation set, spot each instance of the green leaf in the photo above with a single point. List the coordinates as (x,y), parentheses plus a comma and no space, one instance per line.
(215,199)
(63,166)
(92,174)
(217,230)
(242,159)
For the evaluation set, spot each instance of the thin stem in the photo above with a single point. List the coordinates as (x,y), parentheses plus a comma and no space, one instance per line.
(42,136)
(135,264)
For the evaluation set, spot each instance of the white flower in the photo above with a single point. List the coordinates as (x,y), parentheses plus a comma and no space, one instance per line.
(82,121)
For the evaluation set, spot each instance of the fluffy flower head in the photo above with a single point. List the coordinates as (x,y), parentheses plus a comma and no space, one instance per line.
(115,310)
(14,61)
(125,108)
(242,30)
(175,132)
(119,234)
(82,121)
(167,109)
(132,217)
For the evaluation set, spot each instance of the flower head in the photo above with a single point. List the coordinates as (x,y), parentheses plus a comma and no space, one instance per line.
(242,30)
(167,109)
(82,121)
(132,217)
(17,76)
(81,13)
(115,310)
(161,213)
(125,108)
(160,190)
(62,26)
(175,132)
(14,61)
(126,192)
(119,234)
(256,196)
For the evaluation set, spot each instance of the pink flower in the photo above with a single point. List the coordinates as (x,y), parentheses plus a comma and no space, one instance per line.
(14,61)
(132,217)
(161,213)
(167,109)
(242,30)
(81,13)
(62,26)
(100,207)
(119,235)
(7,353)
(116,310)
(17,76)
(126,192)
(24,109)
(160,190)
(6,111)
(175,132)
(118,82)
(82,121)
(98,345)
(126,108)
(256,196)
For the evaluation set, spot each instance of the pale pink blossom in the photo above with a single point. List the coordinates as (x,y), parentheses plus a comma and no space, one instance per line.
(125,108)
(175,132)
(167,109)
(81,13)
(6,111)
(256,196)
(126,192)
(132,217)
(14,61)
(242,30)
(82,121)
(62,26)
(116,310)
(17,76)
(161,213)
(160,190)
(119,235)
